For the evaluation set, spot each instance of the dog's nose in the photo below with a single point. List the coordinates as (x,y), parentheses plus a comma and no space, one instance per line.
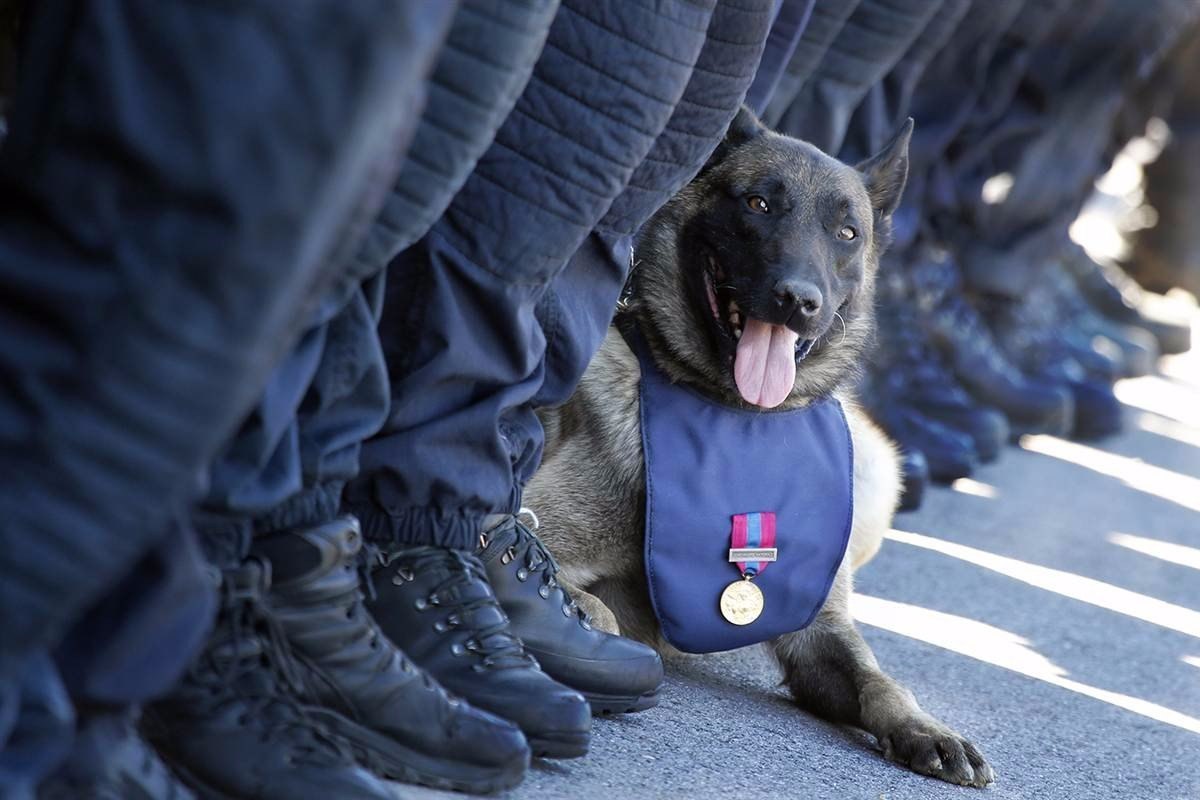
(798,296)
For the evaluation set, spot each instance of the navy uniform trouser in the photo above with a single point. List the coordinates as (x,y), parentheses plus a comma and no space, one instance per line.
(874,36)
(499,305)
(180,186)
(1054,138)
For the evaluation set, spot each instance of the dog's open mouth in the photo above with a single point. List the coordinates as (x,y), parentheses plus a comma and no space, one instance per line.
(764,355)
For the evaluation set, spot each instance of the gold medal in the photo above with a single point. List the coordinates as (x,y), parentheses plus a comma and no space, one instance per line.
(741,602)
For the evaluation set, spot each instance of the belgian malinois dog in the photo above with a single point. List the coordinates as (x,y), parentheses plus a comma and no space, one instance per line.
(754,287)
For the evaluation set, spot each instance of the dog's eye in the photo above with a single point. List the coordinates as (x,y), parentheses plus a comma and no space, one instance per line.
(847,233)
(758,204)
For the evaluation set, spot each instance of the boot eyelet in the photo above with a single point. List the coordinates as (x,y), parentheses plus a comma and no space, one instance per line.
(441,627)
(522,574)
(583,623)
(457,649)
(420,604)
(349,613)
(397,580)
(544,591)
(566,611)
(505,557)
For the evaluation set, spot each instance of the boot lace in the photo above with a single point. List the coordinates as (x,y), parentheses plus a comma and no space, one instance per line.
(264,679)
(495,645)
(536,559)
(368,557)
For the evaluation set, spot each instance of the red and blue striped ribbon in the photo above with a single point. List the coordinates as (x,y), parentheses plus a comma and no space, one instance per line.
(753,530)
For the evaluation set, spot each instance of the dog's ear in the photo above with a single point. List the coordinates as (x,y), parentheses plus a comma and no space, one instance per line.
(744,127)
(886,172)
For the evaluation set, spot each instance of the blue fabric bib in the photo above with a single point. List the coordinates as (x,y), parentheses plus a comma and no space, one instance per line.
(707,463)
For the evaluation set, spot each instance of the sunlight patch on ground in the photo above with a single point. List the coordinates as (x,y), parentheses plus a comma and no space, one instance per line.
(1169,428)
(1161,396)
(1183,490)
(1000,648)
(1184,368)
(1167,551)
(1085,590)
(975,488)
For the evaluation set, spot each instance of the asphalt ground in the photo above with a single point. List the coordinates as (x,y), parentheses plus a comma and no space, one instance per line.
(1048,609)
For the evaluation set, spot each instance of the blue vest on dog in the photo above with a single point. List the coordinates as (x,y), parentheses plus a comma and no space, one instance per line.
(707,465)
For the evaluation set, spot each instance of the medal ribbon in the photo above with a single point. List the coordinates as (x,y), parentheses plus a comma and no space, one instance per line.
(753,530)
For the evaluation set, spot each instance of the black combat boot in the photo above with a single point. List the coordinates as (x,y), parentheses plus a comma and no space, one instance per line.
(615,674)
(235,726)
(110,761)
(437,606)
(954,327)
(1133,349)
(1030,336)
(914,470)
(905,377)
(909,371)
(1117,296)
(949,454)
(398,717)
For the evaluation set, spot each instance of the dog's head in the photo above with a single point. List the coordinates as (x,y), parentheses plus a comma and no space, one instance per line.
(757,279)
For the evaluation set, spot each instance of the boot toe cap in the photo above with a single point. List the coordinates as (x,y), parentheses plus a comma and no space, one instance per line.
(617,667)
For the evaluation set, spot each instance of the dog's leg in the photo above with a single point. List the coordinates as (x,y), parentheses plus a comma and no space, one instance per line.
(832,673)
(602,616)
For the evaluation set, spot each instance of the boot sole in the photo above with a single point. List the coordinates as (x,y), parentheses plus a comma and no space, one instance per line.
(561,744)
(394,761)
(604,705)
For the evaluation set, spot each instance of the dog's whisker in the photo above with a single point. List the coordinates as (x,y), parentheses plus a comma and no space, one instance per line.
(839,319)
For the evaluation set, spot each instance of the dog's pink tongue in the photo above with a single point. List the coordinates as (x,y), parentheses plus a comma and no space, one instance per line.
(765,366)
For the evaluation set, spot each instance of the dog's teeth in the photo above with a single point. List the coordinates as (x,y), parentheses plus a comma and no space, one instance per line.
(737,333)
(733,307)
(735,318)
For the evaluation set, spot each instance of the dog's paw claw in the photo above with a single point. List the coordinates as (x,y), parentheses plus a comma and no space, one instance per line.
(930,748)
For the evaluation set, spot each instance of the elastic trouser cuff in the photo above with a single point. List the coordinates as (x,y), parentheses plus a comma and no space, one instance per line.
(225,539)
(456,529)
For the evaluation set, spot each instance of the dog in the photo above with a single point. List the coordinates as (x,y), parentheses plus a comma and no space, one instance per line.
(771,251)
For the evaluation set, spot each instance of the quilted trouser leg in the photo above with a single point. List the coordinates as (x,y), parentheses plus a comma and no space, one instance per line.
(873,39)
(37,724)
(888,102)
(1053,170)
(786,33)
(178,183)
(292,456)
(483,68)
(578,306)
(464,349)
(826,20)
(957,78)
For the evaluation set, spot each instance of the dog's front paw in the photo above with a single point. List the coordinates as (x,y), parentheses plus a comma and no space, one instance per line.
(927,746)
(602,617)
